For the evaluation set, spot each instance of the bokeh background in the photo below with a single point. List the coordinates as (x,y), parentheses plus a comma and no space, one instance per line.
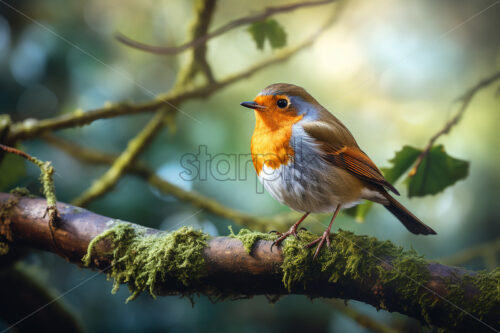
(389,70)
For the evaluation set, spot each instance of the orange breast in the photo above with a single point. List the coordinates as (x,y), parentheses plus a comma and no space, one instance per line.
(271,139)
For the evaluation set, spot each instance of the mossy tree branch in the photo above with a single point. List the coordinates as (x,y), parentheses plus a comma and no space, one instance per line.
(186,262)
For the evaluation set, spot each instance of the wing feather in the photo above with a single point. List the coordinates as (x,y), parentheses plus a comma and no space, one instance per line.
(341,150)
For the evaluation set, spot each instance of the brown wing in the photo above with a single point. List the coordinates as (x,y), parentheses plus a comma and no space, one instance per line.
(341,150)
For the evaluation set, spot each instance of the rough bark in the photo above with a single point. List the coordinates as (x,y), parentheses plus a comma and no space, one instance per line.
(449,297)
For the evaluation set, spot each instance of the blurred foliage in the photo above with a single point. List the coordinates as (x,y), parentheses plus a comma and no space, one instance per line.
(269,30)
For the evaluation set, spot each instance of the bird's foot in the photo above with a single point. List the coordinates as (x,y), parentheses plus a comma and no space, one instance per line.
(321,240)
(282,236)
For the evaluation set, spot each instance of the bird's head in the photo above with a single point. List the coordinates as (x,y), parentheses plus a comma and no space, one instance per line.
(282,103)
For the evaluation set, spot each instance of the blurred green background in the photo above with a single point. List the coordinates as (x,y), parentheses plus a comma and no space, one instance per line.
(388,69)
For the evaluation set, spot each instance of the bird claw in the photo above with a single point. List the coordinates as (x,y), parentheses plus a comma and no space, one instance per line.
(282,236)
(321,240)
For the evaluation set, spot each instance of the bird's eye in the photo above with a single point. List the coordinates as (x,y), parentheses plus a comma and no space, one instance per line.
(282,103)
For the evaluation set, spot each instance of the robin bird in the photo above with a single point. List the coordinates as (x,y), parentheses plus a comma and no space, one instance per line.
(308,160)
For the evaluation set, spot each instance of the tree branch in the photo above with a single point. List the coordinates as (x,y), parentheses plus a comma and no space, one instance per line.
(465,100)
(185,262)
(202,40)
(31,128)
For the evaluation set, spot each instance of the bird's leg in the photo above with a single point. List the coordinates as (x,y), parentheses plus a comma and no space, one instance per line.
(326,235)
(291,231)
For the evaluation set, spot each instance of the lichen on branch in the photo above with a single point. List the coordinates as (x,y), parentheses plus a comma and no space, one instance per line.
(144,260)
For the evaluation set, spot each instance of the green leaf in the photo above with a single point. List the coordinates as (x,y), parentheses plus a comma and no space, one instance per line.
(258,32)
(437,171)
(12,168)
(276,34)
(270,30)
(401,162)
(360,211)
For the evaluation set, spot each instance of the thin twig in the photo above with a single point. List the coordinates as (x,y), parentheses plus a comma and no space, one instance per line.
(465,100)
(225,28)
(46,173)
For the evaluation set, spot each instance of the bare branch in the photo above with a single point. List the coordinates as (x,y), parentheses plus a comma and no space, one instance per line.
(357,267)
(197,42)
(465,100)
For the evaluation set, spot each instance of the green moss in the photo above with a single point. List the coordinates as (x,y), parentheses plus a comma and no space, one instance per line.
(488,284)
(350,257)
(5,211)
(21,192)
(144,261)
(248,237)
(5,230)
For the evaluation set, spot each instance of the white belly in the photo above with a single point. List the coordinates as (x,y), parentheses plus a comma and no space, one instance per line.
(308,187)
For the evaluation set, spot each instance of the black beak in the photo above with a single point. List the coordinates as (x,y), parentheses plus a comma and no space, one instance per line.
(252,105)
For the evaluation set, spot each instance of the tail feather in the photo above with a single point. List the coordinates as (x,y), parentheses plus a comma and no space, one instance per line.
(410,221)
